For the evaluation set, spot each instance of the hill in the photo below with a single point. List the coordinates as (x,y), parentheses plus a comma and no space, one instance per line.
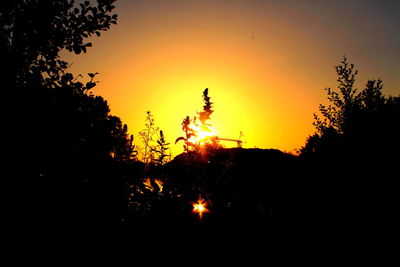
(258,184)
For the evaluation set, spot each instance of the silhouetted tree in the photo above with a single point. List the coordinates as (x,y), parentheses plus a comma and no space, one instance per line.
(34,32)
(69,157)
(355,122)
(124,149)
(352,158)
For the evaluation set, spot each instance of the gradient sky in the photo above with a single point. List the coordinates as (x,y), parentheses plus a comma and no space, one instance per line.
(265,62)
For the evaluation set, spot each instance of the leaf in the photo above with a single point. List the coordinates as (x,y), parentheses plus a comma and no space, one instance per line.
(90,85)
(179,139)
(77,49)
(91,75)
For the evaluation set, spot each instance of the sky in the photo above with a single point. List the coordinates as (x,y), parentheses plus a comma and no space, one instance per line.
(266,62)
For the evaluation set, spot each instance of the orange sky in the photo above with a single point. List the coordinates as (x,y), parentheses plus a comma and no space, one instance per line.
(265,62)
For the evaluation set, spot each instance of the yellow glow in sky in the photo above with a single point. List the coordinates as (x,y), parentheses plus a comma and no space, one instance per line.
(265,64)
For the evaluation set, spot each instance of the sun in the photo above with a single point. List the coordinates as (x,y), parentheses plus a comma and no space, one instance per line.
(203,134)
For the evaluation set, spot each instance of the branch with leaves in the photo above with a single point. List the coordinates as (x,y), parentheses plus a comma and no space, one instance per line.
(192,132)
(160,150)
(189,133)
(207,108)
(148,135)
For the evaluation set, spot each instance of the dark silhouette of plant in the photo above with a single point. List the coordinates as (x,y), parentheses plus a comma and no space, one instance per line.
(344,103)
(349,123)
(69,158)
(148,135)
(124,150)
(204,115)
(146,194)
(34,32)
(161,150)
(189,133)
(352,158)
(194,131)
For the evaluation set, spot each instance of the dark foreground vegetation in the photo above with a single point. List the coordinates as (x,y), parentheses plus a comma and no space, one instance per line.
(68,160)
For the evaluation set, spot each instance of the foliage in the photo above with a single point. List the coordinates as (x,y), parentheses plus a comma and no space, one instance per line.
(146,192)
(348,124)
(70,158)
(148,135)
(34,32)
(351,161)
(189,133)
(193,131)
(124,149)
(160,150)
(207,108)
(344,104)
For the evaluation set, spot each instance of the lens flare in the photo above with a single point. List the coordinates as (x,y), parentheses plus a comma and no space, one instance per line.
(200,207)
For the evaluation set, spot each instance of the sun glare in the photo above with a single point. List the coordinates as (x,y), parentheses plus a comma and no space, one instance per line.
(200,207)
(204,134)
